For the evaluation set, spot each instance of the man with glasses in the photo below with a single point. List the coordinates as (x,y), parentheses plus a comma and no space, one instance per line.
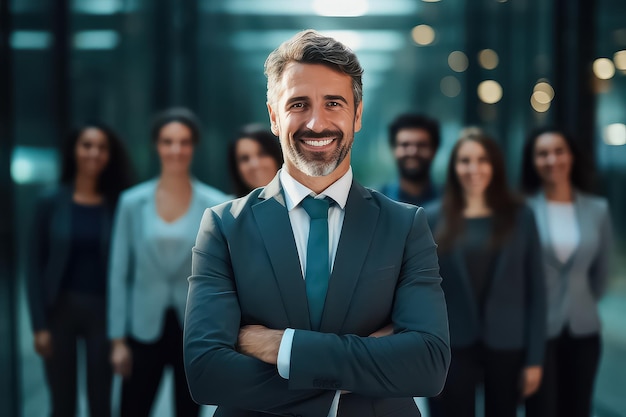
(414,139)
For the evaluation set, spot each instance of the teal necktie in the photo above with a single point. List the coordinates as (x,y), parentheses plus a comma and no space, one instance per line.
(317,254)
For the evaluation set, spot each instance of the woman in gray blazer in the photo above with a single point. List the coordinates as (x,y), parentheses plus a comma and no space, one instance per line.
(155,228)
(576,239)
(489,259)
(67,268)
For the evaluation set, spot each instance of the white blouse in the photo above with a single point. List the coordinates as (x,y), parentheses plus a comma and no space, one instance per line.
(563,229)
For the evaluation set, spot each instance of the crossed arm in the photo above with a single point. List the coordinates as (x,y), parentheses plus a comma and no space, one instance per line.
(222,360)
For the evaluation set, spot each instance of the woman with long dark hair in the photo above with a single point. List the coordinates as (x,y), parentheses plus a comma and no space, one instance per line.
(67,276)
(575,231)
(156,224)
(489,257)
(254,157)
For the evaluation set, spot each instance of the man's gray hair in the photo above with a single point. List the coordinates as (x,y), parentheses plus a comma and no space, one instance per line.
(311,47)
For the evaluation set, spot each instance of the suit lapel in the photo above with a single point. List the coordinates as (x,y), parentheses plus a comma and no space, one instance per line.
(272,219)
(146,205)
(360,221)
(544,231)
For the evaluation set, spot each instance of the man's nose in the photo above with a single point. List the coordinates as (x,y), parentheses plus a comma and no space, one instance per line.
(317,120)
(411,149)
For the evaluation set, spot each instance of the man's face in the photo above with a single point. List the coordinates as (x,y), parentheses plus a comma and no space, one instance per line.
(414,153)
(315,118)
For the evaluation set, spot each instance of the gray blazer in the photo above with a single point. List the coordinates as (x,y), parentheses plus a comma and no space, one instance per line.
(246,271)
(575,287)
(515,302)
(141,285)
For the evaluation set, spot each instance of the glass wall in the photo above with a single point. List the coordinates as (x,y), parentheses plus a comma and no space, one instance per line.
(506,65)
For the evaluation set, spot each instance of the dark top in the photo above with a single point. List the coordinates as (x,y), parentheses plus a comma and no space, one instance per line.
(86,269)
(393,191)
(479,255)
(513,312)
(51,249)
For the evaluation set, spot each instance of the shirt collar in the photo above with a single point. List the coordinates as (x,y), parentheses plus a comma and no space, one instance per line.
(296,192)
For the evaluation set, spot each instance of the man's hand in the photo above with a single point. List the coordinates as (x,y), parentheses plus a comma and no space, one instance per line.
(260,342)
(121,358)
(43,343)
(531,380)
(385,331)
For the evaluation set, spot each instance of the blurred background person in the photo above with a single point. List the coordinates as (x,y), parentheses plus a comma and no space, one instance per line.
(575,231)
(490,261)
(155,227)
(254,157)
(414,139)
(68,267)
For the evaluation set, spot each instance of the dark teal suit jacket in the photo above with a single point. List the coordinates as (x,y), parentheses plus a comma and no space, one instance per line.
(245,270)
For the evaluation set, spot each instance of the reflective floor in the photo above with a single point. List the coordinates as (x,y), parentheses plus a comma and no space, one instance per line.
(610,398)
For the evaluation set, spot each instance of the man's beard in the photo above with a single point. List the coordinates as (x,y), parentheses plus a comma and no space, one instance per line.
(318,164)
(417,174)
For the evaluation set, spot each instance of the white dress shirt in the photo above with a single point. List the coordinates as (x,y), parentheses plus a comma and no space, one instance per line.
(563,229)
(300,223)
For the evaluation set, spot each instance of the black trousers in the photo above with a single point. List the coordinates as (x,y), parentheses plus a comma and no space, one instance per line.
(569,374)
(149,361)
(498,370)
(79,316)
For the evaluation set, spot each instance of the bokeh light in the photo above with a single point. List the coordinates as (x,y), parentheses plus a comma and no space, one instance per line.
(615,134)
(423,35)
(450,86)
(458,61)
(489,91)
(488,59)
(603,68)
(619,58)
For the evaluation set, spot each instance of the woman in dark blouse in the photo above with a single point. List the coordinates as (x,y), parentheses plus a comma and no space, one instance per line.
(67,274)
(490,263)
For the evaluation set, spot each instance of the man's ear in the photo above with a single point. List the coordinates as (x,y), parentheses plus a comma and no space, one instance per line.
(357,117)
(273,123)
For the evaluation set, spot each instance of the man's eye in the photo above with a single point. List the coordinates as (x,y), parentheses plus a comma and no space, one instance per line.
(297,105)
(333,104)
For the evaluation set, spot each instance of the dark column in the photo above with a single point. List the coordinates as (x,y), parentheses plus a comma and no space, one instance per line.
(61,66)
(163,59)
(574,37)
(9,383)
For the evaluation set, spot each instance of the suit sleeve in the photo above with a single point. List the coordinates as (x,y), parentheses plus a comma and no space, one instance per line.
(119,270)
(40,239)
(216,372)
(536,323)
(599,271)
(412,362)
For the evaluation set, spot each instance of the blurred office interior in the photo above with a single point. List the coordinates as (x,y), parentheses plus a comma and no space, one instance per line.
(506,65)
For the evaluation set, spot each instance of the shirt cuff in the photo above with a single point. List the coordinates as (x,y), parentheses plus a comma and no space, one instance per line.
(284,354)
(334,406)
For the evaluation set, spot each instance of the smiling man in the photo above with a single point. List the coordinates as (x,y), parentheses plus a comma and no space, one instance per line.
(315,296)
(414,140)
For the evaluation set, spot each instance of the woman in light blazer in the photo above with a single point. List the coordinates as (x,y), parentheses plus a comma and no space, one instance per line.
(575,231)
(67,268)
(155,227)
(489,257)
